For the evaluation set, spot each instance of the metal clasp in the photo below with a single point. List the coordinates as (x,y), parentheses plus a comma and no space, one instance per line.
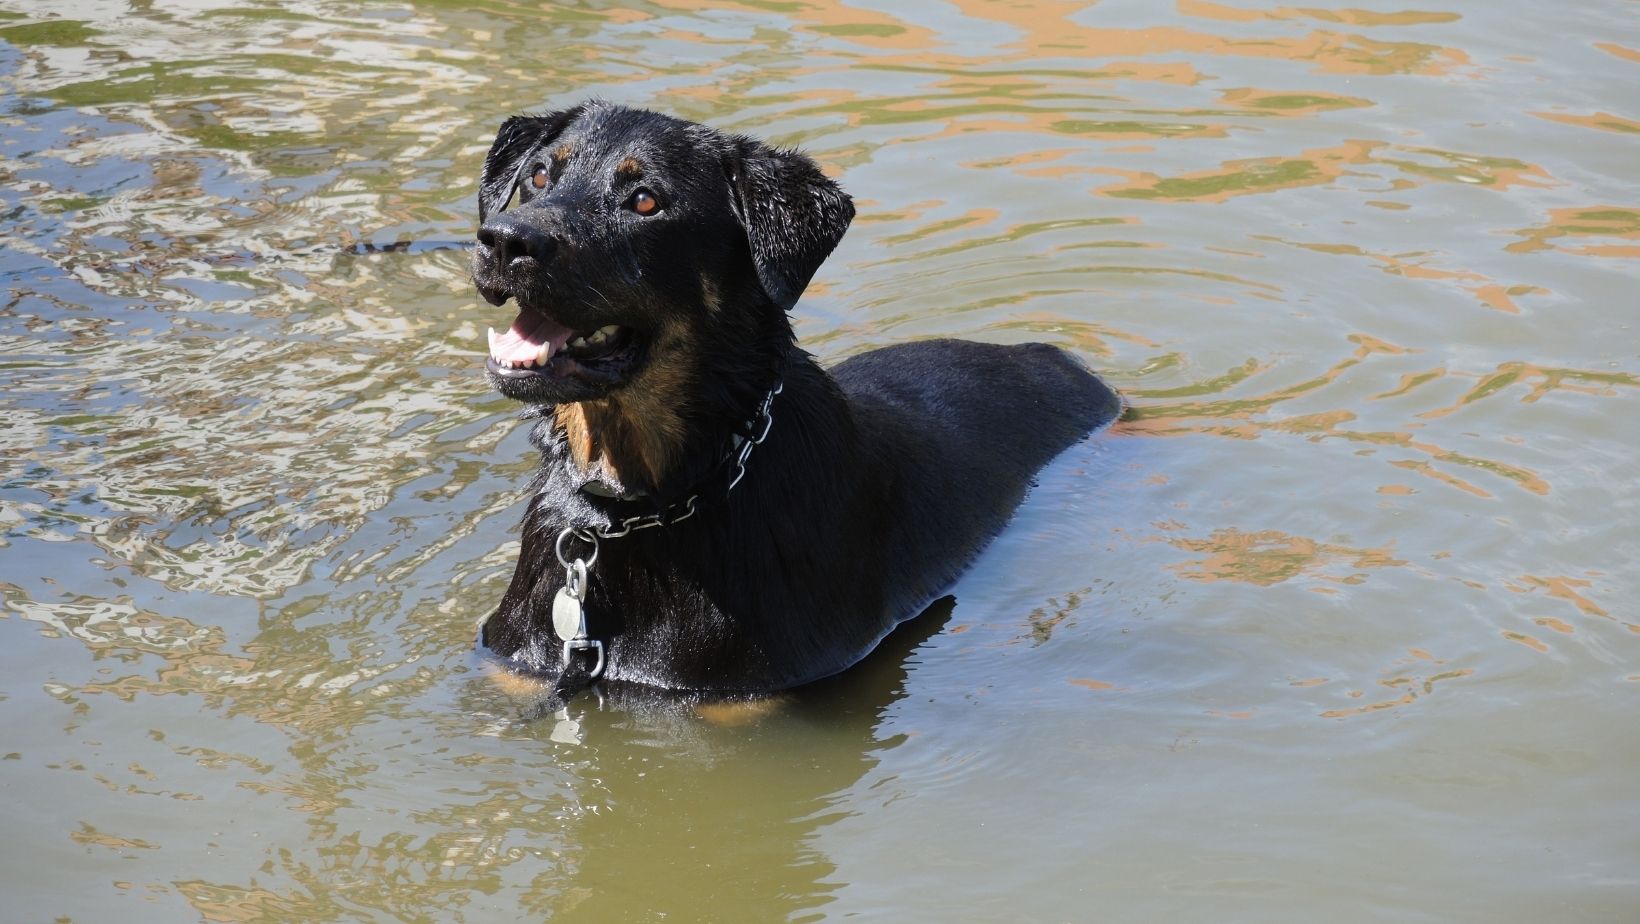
(586,644)
(569,615)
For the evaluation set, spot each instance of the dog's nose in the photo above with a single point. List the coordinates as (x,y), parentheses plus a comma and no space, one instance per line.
(510,239)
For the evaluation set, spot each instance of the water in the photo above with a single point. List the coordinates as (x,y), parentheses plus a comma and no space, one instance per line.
(1339,623)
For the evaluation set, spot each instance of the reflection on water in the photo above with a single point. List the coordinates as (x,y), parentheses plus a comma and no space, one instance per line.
(1355,635)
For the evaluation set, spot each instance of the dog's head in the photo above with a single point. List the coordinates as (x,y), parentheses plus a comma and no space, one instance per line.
(633,241)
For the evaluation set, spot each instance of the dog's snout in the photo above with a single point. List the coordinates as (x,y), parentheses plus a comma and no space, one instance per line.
(510,239)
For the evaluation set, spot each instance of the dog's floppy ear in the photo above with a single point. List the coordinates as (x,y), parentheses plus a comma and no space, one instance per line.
(517,136)
(792,214)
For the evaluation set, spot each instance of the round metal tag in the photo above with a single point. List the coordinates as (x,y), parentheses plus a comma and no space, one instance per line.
(567,616)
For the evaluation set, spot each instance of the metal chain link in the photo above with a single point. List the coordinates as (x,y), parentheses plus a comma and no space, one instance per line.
(762,423)
(766,414)
(576,570)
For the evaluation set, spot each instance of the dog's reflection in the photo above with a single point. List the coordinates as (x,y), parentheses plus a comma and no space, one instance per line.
(703,810)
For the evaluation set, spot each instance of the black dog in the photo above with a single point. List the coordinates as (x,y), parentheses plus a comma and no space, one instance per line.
(714,512)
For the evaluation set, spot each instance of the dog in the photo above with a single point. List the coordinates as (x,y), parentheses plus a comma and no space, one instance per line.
(715,514)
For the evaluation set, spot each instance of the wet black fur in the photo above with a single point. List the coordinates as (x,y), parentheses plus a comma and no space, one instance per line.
(881,479)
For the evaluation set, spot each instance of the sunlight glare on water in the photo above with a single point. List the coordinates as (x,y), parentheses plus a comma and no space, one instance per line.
(1338,622)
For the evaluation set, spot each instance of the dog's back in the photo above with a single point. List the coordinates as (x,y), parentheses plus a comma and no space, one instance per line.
(960,428)
(1010,406)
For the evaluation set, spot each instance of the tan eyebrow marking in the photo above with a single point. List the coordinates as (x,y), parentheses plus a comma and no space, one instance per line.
(562,154)
(628,169)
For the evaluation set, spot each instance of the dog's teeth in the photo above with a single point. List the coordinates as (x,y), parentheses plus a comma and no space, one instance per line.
(578,342)
(604,333)
(493,335)
(544,354)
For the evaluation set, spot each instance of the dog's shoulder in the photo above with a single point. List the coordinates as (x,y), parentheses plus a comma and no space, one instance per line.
(951,432)
(961,389)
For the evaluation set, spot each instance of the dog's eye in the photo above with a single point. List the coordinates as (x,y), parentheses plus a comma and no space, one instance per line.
(644,202)
(538,178)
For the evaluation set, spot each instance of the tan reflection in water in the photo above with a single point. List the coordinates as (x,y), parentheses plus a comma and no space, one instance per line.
(870,28)
(1018,232)
(1268,557)
(286,680)
(1561,588)
(1242,177)
(1595,221)
(990,102)
(1472,169)
(1367,18)
(1233,417)
(870,210)
(1493,295)
(1043,620)
(1049,30)
(233,904)
(1600,121)
(1078,333)
(970,219)
(92,837)
(1323,165)
(1502,298)
(1412,686)
(1620,51)
(1287,103)
(1102,129)
(1410,381)
(1547,380)
(1536,644)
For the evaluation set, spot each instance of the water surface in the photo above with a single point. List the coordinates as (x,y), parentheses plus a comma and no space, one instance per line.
(1339,622)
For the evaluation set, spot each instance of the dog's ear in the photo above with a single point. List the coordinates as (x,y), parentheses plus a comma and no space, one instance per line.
(792,214)
(518,136)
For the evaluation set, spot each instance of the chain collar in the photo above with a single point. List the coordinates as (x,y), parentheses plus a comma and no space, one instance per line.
(569,618)
(756,430)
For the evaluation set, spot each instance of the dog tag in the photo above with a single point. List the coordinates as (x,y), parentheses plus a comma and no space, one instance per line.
(567,617)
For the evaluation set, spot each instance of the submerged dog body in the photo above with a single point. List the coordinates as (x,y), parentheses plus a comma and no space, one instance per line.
(653,261)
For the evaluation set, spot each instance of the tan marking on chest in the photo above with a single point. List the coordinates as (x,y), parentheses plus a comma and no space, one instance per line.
(636,434)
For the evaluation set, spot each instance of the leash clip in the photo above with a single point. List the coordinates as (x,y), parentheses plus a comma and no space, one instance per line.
(587,644)
(569,615)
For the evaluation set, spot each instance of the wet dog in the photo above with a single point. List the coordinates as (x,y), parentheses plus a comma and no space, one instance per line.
(714,512)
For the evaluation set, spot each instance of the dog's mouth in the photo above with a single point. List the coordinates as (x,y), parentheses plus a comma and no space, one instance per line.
(538,347)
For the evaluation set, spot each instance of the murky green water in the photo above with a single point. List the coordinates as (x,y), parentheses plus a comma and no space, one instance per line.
(1339,625)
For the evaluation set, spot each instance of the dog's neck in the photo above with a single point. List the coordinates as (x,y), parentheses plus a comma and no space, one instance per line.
(669,427)
(645,442)
(624,443)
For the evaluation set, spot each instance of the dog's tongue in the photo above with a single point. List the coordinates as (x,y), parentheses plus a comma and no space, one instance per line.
(530,332)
